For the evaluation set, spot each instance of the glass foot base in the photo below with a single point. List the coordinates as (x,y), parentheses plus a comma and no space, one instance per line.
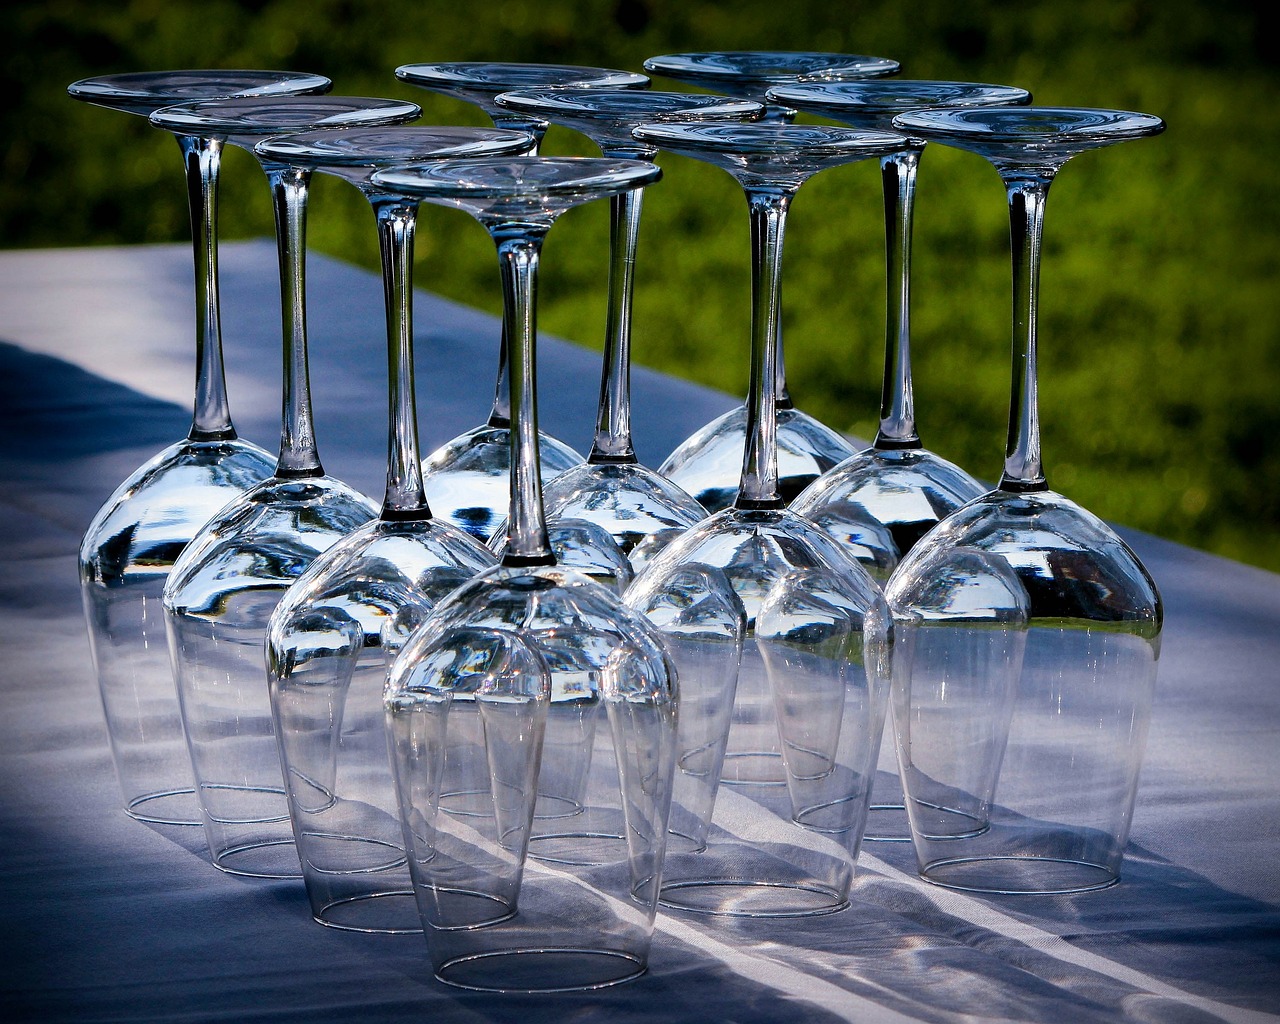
(551,806)
(540,970)
(753,768)
(935,822)
(587,849)
(887,823)
(468,803)
(465,909)
(1047,876)
(728,897)
(173,807)
(680,842)
(386,913)
(270,858)
(332,856)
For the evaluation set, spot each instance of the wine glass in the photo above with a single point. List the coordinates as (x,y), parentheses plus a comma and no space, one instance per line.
(488,766)
(641,509)
(805,713)
(706,463)
(223,588)
(750,74)
(583,546)
(466,477)
(896,482)
(481,82)
(132,541)
(329,639)
(1031,630)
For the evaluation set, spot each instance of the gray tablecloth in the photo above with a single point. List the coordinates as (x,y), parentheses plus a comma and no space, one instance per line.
(105,919)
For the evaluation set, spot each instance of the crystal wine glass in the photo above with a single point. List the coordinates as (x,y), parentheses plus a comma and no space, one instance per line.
(641,509)
(130,545)
(223,588)
(466,477)
(799,729)
(488,766)
(750,74)
(1031,630)
(330,638)
(706,464)
(896,482)
(481,82)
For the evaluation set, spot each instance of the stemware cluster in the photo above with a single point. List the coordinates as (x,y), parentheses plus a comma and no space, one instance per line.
(534,696)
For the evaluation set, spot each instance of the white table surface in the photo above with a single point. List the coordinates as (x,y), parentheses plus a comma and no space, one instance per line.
(106,919)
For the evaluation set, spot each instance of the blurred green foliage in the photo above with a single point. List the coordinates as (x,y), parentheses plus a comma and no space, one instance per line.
(1160,341)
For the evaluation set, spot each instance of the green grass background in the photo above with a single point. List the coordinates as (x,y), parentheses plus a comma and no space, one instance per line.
(1159,334)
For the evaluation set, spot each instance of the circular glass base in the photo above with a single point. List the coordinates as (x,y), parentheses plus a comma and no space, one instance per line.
(550,806)
(540,970)
(753,768)
(332,854)
(1048,876)
(680,842)
(468,803)
(270,858)
(245,805)
(388,913)
(731,897)
(887,823)
(464,909)
(935,822)
(582,848)
(173,807)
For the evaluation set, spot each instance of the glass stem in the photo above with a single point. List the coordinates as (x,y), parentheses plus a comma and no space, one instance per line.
(405,497)
(775,113)
(298,455)
(759,487)
(782,395)
(500,414)
(503,118)
(897,399)
(613,417)
(211,420)
(1022,467)
(519,249)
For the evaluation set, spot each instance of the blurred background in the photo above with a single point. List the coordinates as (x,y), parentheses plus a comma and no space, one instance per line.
(1160,342)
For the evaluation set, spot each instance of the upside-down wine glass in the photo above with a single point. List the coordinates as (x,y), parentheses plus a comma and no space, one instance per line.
(794,729)
(706,464)
(481,82)
(750,74)
(493,757)
(466,477)
(330,639)
(1031,630)
(222,590)
(641,509)
(896,482)
(131,543)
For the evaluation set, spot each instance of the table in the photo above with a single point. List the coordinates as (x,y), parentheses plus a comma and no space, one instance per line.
(106,919)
